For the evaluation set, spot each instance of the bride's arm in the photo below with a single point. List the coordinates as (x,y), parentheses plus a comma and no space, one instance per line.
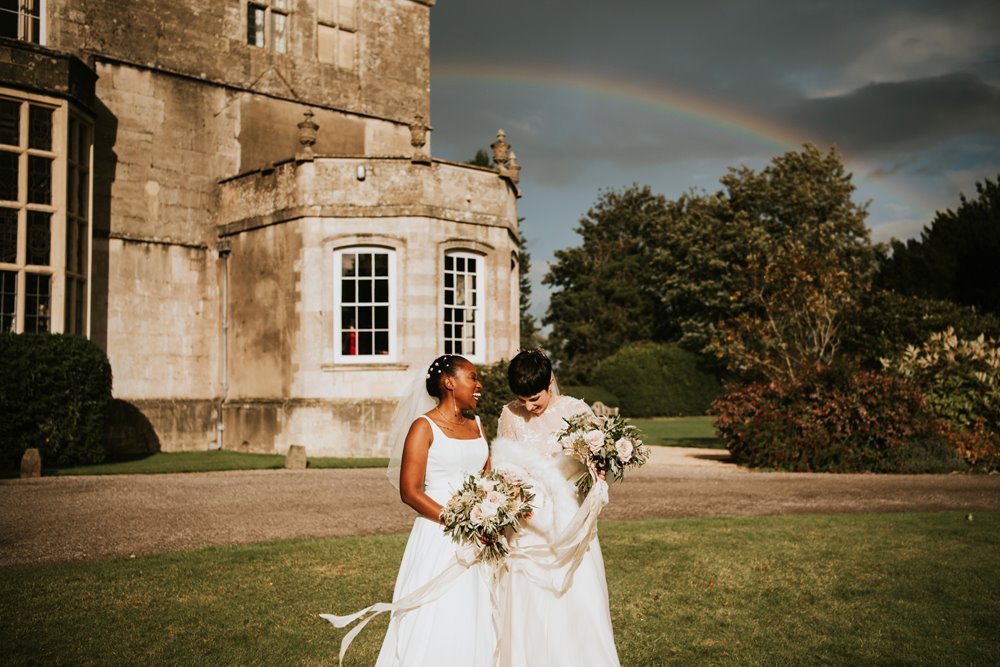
(413,469)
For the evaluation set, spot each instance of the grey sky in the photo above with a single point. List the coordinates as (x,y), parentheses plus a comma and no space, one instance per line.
(909,91)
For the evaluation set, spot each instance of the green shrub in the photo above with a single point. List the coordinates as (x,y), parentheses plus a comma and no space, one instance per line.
(656,380)
(842,420)
(590,393)
(960,377)
(496,394)
(54,395)
(886,323)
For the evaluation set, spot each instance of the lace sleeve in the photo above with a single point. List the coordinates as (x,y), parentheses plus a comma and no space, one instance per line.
(507,427)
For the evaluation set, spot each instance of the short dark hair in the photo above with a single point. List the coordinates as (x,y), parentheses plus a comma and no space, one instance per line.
(446,364)
(529,373)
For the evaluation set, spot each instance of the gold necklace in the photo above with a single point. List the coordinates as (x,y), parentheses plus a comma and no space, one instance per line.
(463,421)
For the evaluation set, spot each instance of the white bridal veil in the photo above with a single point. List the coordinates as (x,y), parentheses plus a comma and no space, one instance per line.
(414,402)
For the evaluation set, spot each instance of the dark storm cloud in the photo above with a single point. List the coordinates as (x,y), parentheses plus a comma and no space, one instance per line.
(903,115)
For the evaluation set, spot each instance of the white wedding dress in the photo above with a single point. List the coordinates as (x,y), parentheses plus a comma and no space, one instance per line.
(456,629)
(553,593)
(442,615)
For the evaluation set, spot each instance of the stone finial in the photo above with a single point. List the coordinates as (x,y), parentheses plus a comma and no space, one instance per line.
(296,457)
(308,132)
(418,139)
(500,148)
(31,463)
(513,170)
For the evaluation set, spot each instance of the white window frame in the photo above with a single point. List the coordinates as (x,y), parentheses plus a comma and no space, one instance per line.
(341,356)
(478,309)
(273,11)
(56,269)
(25,27)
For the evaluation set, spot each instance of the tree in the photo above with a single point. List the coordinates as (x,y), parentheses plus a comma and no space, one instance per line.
(603,297)
(766,272)
(482,159)
(956,258)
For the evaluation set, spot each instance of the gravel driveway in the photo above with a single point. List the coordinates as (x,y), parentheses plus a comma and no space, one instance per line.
(67,519)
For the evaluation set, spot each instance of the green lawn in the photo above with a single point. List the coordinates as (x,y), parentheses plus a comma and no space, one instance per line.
(680,431)
(163,462)
(886,589)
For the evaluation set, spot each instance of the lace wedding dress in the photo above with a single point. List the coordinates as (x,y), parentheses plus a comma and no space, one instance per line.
(553,595)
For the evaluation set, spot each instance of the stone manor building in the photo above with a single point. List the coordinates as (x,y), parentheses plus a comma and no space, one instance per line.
(237,200)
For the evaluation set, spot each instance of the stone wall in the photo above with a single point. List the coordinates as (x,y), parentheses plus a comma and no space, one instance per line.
(207,41)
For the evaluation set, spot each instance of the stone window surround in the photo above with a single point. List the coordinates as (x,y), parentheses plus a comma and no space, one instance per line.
(56,268)
(332,358)
(271,10)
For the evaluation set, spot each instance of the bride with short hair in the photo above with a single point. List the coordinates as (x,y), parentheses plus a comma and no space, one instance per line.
(553,594)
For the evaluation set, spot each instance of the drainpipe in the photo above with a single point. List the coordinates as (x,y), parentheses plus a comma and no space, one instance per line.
(224,248)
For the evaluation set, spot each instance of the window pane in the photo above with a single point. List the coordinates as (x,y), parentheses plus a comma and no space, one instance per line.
(449,278)
(449,347)
(40,128)
(348,264)
(39,237)
(9,19)
(381,342)
(365,342)
(326,49)
(8,175)
(36,303)
(348,291)
(381,291)
(348,318)
(39,180)
(382,265)
(8,300)
(364,291)
(255,25)
(346,47)
(346,15)
(449,263)
(278,36)
(365,264)
(10,122)
(349,342)
(460,264)
(382,317)
(326,11)
(80,308)
(365,318)
(8,235)
(460,290)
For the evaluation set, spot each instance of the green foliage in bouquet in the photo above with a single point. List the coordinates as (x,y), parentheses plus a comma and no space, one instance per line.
(485,510)
(603,444)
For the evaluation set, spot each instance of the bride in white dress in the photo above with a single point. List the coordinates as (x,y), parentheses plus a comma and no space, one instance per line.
(441,609)
(553,594)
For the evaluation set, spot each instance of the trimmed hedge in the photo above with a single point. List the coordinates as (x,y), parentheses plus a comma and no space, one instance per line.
(836,421)
(54,395)
(657,380)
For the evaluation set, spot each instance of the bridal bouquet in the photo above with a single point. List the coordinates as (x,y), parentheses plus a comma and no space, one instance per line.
(603,444)
(484,508)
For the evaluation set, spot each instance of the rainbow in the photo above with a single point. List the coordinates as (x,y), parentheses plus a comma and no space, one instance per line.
(676,102)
